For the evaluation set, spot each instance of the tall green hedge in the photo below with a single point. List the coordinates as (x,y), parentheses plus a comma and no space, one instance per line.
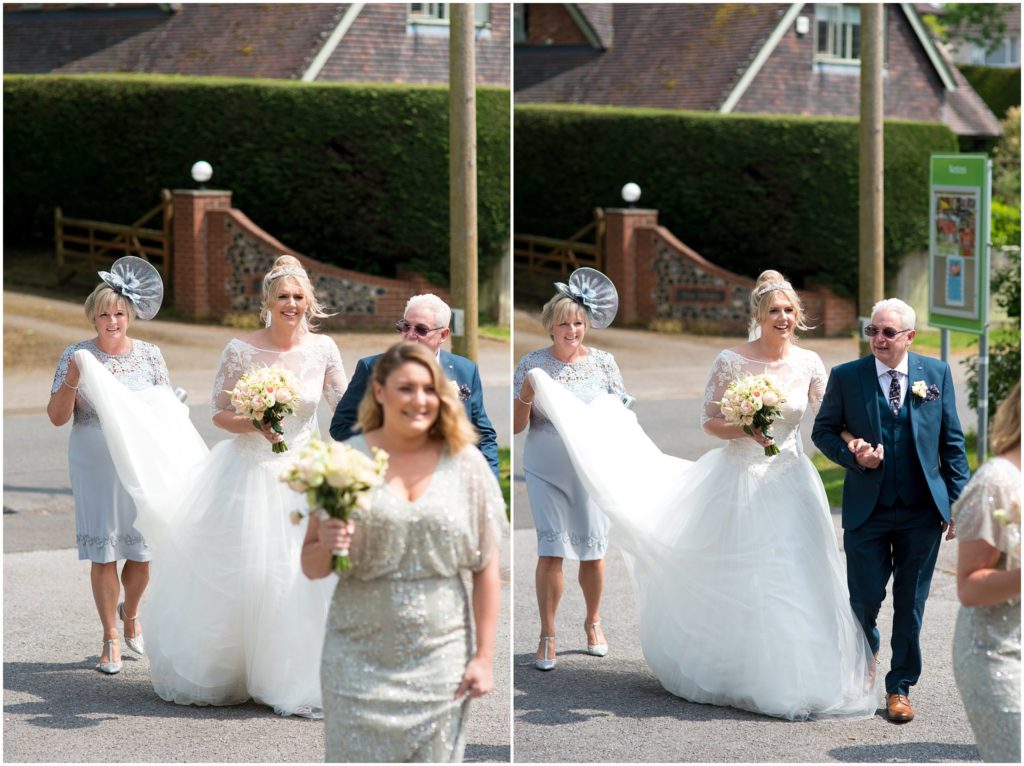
(355,175)
(999,88)
(746,192)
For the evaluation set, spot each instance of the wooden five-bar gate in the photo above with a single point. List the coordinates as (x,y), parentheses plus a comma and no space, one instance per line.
(99,244)
(547,257)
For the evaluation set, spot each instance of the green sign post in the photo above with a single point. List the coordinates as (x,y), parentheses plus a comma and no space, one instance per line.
(959,233)
(959,249)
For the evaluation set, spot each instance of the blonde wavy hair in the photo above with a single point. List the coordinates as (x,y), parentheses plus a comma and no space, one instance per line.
(289,267)
(452,424)
(1006,423)
(769,283)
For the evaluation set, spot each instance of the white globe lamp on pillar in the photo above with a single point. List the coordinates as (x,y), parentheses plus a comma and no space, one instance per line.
(202,172)
(630,193)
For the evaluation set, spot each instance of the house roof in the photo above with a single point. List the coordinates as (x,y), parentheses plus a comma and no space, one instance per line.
(675,56)
(266,40)
(698,56)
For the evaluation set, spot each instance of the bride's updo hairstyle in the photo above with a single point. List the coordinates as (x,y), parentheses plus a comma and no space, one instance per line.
(769,283)
(560,308)
(452,424)
(288,267)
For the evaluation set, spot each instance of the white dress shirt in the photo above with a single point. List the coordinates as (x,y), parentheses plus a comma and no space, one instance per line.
(885,379)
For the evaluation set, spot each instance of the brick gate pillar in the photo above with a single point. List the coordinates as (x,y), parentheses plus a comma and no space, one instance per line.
(620,258)
(190,264)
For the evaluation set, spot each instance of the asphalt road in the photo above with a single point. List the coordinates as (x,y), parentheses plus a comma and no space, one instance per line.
(613,709)
(57,708)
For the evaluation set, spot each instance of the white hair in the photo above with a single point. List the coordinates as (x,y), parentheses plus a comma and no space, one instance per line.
(441,310)
(904,310)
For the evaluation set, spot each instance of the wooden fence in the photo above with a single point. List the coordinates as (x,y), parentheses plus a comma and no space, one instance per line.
(99,244)
(546,257)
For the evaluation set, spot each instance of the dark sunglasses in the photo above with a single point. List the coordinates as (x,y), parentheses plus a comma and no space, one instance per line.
(403,327)
(871,331)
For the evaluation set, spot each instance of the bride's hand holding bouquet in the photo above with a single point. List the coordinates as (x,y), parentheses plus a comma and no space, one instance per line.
(265,395)
(754,402)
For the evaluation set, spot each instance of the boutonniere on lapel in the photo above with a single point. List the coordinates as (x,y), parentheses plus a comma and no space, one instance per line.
(924,392)
(461,390)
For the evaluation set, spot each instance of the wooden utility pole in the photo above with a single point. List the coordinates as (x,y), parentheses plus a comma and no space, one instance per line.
(462,173)
(872,157)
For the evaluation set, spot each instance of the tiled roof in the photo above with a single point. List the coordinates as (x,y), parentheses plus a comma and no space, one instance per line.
(966,113)
(675,56)
(267,40)
(599,16)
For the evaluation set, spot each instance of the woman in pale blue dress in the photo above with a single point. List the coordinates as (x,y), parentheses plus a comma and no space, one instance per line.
(568,524)
(104,511)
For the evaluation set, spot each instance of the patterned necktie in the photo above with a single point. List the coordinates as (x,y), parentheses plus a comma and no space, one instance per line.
(894,392)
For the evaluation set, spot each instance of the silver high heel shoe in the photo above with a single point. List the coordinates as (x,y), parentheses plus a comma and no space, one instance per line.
(136,643)
(598,650)
(546,664)
(110,668)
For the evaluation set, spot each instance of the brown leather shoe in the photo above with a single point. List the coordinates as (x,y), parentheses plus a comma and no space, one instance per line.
(898,708)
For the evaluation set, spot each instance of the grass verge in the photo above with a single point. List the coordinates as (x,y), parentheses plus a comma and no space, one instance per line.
(505,477)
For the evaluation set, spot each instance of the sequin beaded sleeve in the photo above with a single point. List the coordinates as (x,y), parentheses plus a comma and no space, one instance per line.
(486,507)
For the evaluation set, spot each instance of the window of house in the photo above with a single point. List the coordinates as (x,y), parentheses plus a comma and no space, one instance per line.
(838,32)
(437,13)
(1007,54)
(519,24)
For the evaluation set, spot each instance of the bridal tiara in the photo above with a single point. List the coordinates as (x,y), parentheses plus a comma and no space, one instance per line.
(286,271)
(762,291)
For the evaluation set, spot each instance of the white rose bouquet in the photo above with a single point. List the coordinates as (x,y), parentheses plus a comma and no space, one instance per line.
(266,395)
(337,479)
(753,402)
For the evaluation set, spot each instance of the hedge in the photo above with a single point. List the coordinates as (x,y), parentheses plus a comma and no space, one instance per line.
(355,175)
(746,192)
(999,88)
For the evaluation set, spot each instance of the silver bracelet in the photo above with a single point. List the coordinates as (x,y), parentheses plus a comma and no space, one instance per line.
(73,388)
(527,403)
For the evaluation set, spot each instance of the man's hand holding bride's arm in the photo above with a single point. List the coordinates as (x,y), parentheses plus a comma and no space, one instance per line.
(478,678)
(323,537)
(867,457)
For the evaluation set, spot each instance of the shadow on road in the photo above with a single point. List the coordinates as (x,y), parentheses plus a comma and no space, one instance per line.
(907,752)
(69,696)
(555,699)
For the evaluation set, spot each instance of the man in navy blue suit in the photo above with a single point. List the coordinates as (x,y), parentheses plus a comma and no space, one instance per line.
(905,465)
(425,321)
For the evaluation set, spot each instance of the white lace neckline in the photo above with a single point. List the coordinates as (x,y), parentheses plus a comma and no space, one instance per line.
(305,344)
(790,356)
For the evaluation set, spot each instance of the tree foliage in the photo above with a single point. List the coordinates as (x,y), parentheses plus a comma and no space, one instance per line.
(980,24)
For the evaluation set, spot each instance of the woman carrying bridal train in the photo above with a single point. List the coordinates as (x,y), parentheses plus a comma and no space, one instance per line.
(230,616)
(740,588)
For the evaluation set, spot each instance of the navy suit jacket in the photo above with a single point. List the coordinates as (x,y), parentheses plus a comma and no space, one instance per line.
(852,402)
(457,368)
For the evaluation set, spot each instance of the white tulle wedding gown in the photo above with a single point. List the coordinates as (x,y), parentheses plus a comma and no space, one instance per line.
(741,591)
(228,614)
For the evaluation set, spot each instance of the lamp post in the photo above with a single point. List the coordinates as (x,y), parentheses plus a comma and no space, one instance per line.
(202,172)
(630,193)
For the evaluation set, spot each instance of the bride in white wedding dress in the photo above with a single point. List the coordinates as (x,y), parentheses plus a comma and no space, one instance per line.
(741,591)
(229,616)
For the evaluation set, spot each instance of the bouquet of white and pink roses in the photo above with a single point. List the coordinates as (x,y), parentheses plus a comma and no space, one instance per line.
(1010,518)
(266,395)
(337,479)
(754,402)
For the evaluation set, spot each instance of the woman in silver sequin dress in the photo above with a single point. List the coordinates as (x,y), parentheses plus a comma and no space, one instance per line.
(568,524)
(104,511)
(399,658)
(986,645)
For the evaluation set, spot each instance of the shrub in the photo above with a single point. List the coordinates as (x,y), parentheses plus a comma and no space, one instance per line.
(999,88)
(747,192)
(355,175)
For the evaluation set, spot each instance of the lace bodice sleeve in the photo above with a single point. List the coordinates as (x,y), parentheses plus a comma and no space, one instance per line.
(816,388)
(996,485)
(614,375)
(335,380)
(724,370)
(232,367)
